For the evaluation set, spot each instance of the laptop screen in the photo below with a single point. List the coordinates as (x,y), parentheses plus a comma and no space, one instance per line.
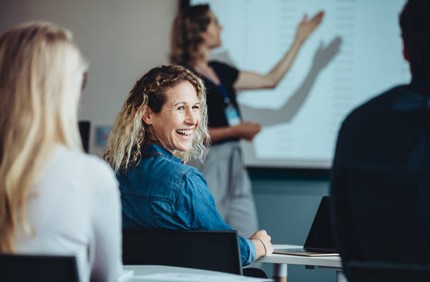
(320,237)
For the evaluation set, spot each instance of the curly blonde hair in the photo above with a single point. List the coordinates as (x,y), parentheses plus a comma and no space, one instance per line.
(129,132)
(186,35)
(41,74)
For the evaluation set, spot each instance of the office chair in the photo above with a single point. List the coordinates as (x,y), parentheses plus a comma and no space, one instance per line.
(24,268)
(376,271)
(84,131)
(210,250)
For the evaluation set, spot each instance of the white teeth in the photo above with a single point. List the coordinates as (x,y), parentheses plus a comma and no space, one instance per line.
(186,132)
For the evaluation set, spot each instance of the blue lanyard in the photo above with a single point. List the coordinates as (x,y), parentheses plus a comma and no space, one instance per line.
(224,93)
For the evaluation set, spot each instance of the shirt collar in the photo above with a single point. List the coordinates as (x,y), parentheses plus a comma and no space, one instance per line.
(152,149)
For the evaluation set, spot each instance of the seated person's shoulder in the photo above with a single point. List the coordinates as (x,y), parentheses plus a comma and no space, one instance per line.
(392,100)
(159,170)
(167,166)
(187,172)
(78,167)
(83,161)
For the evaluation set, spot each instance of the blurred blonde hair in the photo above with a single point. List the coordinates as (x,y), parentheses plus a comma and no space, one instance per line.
(129,132)
(41,74)
(186,35)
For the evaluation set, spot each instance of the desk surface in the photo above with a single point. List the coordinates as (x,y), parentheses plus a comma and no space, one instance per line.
(329,261)
(163,273)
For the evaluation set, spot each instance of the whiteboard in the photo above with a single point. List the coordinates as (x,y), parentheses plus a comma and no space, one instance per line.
(354,55)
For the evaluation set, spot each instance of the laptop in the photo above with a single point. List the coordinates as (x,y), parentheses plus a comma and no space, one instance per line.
(320,239)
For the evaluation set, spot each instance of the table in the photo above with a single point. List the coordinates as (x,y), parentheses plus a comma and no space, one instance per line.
(190,274)
(281,262)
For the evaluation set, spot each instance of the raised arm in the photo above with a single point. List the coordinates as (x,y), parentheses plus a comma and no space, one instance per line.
(324,54)
(251,80)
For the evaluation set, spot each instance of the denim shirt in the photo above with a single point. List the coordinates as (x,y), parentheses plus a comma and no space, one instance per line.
(162,192)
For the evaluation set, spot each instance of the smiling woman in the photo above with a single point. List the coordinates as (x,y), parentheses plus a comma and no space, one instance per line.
(162,124)
(175,124)
(165,105)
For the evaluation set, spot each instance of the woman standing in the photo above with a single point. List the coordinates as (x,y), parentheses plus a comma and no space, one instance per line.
(195,33)
(54,199)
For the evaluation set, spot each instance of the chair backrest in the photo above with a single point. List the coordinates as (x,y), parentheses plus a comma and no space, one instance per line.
(372,271)
(84,131)
(24,268)
(210,250)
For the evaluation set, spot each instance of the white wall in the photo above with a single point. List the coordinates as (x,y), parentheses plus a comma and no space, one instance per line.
(122,39)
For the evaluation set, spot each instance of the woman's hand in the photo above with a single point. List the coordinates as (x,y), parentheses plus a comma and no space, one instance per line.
(247,130)
(306,27)
(262,243)
(251,80)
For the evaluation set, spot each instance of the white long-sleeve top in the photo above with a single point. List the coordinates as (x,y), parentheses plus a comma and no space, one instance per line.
(74,209)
